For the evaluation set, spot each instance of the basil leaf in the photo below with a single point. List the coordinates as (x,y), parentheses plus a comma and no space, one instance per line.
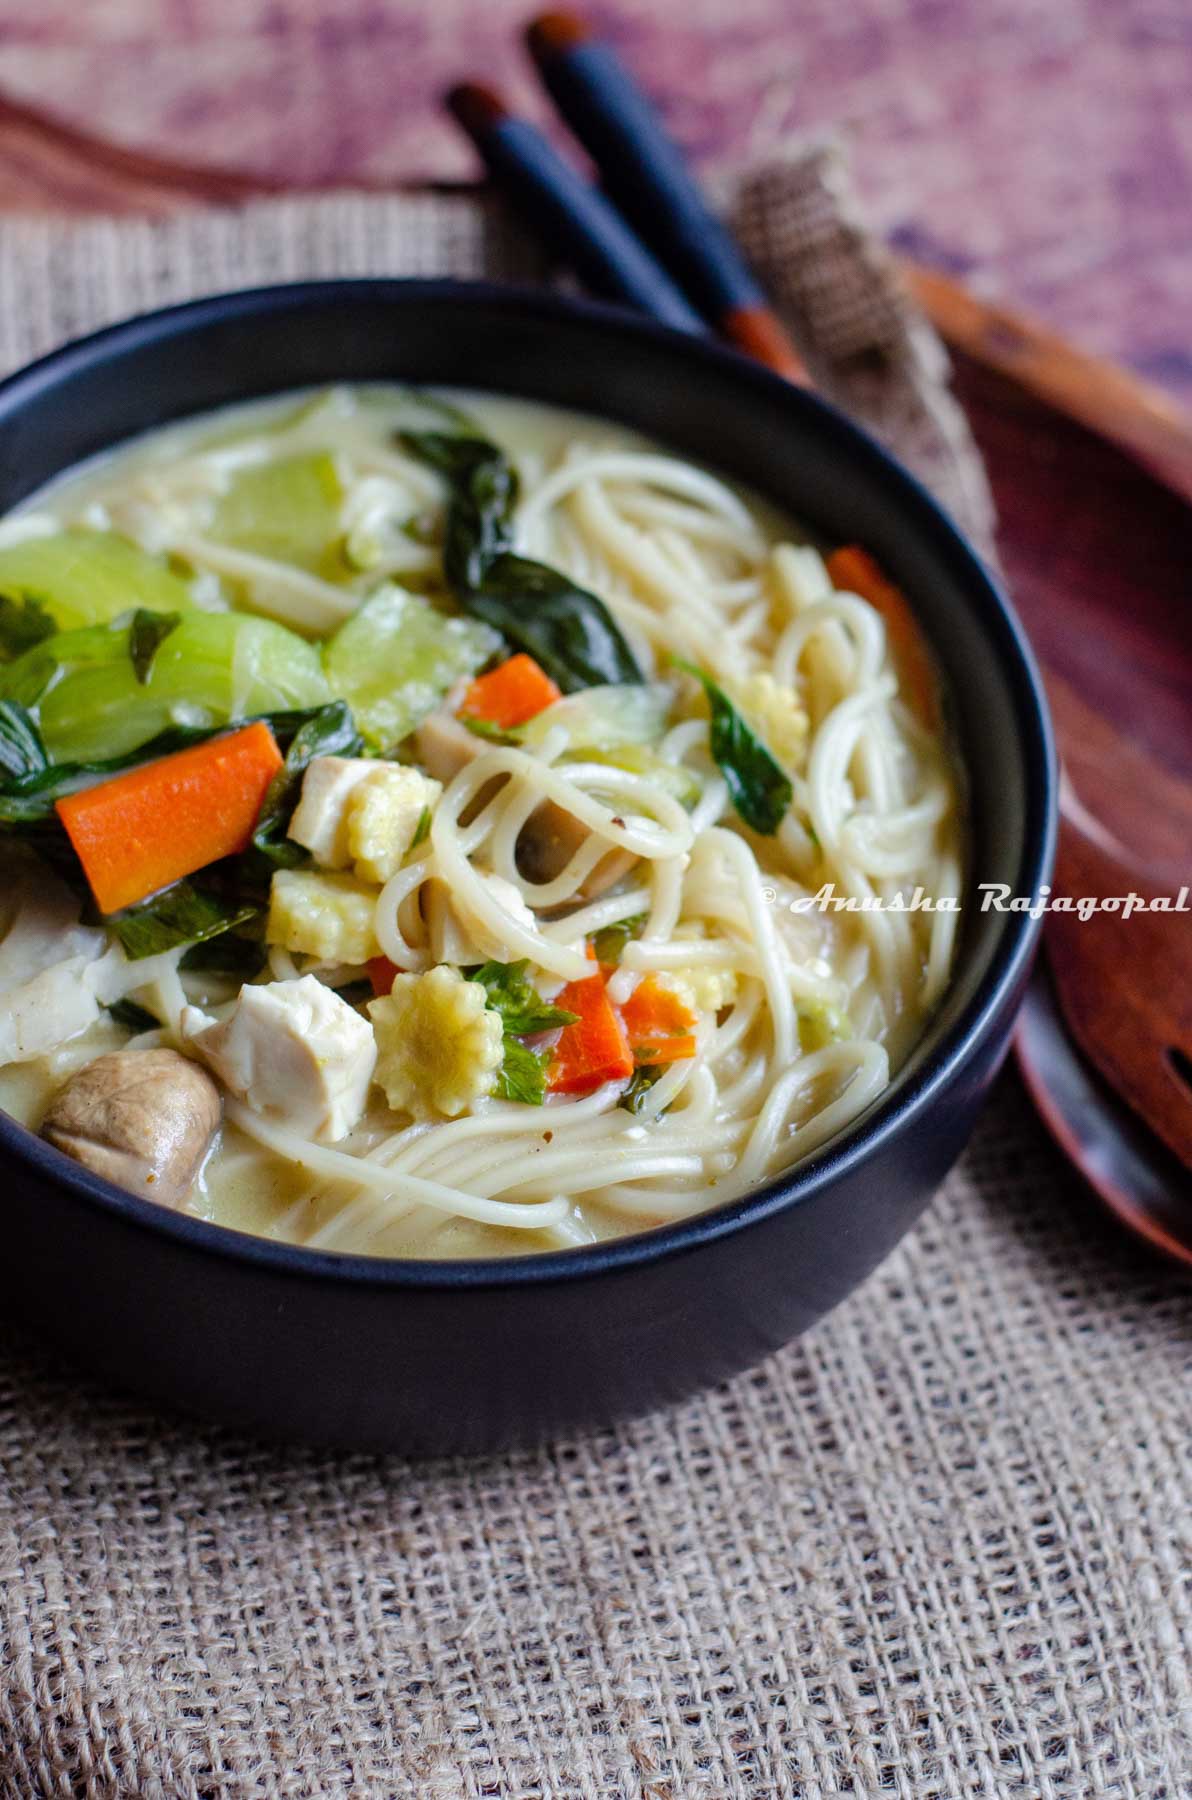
(182,914)
(760,790)
(328,731)
(636,1098)
(22,753)
(610,941)
(522,1075)
(567,630)
(147,632)
(23,623)
(132,1016)
(483,493)
(240,958)
(523,1010)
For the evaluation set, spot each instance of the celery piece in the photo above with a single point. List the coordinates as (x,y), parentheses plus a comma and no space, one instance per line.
(605,717)
(213,667)
(288,511)
(638,759)
(88,577)
(396,657)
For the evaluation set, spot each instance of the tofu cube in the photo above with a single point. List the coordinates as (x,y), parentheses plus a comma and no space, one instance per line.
(293,1051)
(320,820)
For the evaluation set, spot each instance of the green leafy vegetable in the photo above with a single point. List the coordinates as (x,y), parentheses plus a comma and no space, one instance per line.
(636,1097)
(759,789)
(523,1010)
(133,1017)
(22,753)
(396,657)
(523,1013)
(422,829)
(522,1075)
(23,623)
(288,510)
(212,668)
(230,954)
(610,941)
(567,630)
(331,731)
(89,577)
(182,914)
(146,632)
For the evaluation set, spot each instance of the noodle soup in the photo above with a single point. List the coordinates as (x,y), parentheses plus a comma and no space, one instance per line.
(439,825)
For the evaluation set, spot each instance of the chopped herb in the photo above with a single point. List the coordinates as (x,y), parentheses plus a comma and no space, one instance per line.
(568,631)
(147,632)
(523,1013)
(422,829)
(610,941)
(133,1017)
(23,623)
(328,731)
(759,789)
(522,1074)
(182,914)
(523,1010)
(636,1098)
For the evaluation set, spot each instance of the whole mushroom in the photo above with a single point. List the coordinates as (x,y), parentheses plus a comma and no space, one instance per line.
(142,1118)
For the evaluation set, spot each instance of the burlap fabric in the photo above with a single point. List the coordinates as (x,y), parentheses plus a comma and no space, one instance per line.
(940,1548)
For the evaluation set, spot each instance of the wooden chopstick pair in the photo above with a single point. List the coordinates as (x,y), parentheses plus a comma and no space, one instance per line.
(646,236)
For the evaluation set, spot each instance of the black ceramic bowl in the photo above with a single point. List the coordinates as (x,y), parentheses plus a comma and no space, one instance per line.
(428,1357)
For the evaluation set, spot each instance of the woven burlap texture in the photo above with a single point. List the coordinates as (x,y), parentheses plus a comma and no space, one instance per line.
(937,1549)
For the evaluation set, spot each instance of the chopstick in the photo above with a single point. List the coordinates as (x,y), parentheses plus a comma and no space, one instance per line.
(645,175)
(571,215)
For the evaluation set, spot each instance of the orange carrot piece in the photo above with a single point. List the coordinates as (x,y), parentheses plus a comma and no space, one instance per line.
(151,826)
(511,694)
(594,1049)
(654,1010)
(853,569)
(382,973)
(664,1050)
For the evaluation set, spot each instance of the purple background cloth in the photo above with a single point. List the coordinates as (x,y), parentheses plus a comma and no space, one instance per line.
(1042,149)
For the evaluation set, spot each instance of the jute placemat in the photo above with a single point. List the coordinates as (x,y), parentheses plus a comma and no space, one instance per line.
(939,1548)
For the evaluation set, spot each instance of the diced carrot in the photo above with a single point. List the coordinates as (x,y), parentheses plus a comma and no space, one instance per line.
(382,973)
(853,569)
(511,694)
(151,826)
(658,1023)
(664,1050)
(594,1049)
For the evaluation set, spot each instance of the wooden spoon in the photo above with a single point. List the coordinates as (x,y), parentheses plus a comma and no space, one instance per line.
(1124,978)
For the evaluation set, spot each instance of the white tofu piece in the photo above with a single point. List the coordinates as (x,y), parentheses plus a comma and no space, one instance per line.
(320,819)
(293,1051)
(46,1010)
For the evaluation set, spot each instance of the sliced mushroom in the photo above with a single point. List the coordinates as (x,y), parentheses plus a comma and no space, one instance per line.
(142,1118)
(550,839)
(551,835)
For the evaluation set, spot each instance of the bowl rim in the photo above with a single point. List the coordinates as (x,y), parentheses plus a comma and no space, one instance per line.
(898,1108)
